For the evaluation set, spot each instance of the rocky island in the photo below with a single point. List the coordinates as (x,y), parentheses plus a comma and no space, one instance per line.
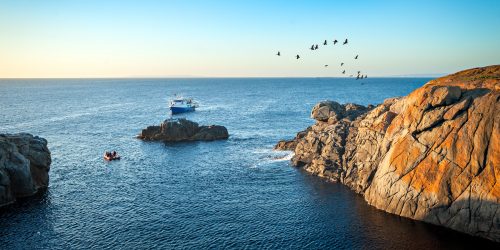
(175,130)
(24,166)
(432,155)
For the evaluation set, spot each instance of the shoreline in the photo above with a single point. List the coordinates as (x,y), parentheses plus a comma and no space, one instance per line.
(400,155)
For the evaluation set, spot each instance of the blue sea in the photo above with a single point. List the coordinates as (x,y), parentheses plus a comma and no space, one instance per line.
(236,193)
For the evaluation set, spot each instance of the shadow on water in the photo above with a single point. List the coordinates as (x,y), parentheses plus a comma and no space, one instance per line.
(371,228)
(38,210)
(38,201)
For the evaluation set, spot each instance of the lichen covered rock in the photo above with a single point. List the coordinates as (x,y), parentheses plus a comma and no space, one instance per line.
(433,155)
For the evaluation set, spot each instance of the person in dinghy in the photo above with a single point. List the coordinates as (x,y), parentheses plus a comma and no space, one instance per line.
(111,156)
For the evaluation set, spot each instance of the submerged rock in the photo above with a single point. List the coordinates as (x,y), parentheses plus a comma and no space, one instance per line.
(173,130)
(433,155)
(24,166)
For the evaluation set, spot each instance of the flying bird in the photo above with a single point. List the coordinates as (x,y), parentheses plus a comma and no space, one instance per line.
(324,43)
(312,47)
(341,64)
(326,65)
(359,72)
(343,72)
(298,56)
(335,41)
(356,57)
(316,47)
(345,42)
(278,54)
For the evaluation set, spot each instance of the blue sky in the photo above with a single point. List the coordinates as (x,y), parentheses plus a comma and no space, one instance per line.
(239,38)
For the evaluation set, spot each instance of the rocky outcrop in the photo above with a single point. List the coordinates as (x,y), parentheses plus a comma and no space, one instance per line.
(433,155)
(291,144)
(24,166)
(174,130)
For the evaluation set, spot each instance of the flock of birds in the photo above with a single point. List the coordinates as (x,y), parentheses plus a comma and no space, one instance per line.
(325,43)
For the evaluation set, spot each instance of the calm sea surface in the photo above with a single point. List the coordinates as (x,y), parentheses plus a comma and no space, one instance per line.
(237,193)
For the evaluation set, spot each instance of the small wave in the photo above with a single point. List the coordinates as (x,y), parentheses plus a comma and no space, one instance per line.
(288,155)
(233,138)
(269,156)
(265,150)
(211,108)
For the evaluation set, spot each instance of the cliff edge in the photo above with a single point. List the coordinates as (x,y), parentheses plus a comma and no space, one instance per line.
(432,156)
(24,166)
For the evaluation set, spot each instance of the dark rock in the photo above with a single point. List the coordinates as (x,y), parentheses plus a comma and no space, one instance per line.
(210,133)
(172,130)
(24,166)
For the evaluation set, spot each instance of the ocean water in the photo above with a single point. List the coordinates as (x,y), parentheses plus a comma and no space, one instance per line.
(236,193)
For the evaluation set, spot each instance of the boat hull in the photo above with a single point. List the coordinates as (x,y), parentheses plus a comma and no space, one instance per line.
(111,158)
(178,110)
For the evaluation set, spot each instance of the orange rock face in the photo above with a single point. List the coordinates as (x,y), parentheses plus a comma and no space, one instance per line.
(442,164)
(433,155)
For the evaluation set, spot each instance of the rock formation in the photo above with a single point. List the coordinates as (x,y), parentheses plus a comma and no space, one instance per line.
(24,166)
(433,155)
(174,130)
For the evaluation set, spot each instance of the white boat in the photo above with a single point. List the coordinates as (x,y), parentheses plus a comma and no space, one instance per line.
(181,105)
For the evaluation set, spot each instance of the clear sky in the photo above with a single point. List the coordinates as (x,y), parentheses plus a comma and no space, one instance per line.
(240,38)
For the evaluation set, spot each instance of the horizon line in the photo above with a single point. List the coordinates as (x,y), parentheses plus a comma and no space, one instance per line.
(216,77)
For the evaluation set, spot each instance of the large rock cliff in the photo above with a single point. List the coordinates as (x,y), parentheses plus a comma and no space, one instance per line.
(433,155)
(24,166)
